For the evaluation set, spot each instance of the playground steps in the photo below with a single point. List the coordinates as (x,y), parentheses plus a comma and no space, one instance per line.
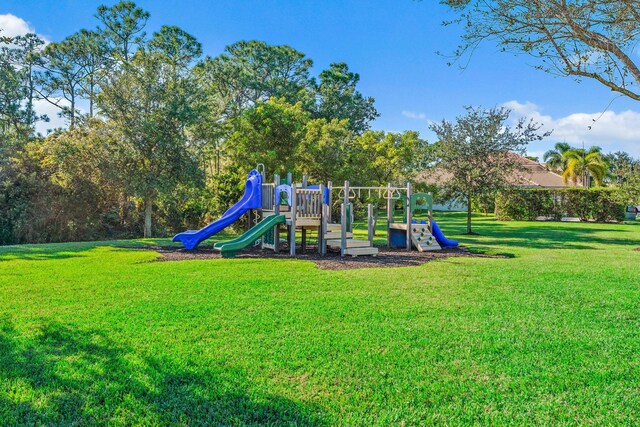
(371,250)
(422,238)
(336,235)
(354,247)
(333,227)
(335,243)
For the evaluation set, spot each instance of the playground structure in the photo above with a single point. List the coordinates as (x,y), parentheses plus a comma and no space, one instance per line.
(283,208)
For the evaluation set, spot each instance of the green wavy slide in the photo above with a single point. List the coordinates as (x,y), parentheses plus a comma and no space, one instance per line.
(230,248)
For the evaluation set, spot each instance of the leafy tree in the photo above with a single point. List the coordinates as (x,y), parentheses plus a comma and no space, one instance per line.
(210,131)
(582,164)
(123,28)
(93,58)
(178,47)
(19,60)
(475,154)
(65,187)
(378,157)
(148,104)
(324,150)
(630,187)
(86,182)
(268,133)
(252,71)
(555,159)
(65,74)
(339,99)
(181,50)
(26,55)
(620,165)
(594,39)
(13,115)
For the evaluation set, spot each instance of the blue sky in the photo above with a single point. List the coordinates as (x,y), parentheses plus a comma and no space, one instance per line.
(392,45)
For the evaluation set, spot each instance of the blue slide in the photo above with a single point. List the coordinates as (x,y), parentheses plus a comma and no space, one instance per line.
(252,199)
(441,239)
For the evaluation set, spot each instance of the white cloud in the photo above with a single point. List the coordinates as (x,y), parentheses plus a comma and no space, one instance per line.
(12,26)
(44,107)
(610,130)
(414,116)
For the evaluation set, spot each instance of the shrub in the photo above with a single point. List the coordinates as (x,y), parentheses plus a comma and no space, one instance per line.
(598,204)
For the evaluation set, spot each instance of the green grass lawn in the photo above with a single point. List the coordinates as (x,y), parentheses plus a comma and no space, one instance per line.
(98,334)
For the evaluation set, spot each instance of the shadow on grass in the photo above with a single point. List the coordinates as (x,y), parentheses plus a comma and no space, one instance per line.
(52,251)
(64,376)
(550,235)
(485,251)
(537,236)
(45,251)
(49,251)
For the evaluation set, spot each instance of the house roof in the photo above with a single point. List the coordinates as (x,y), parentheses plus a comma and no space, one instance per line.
(531,174)
(534,174)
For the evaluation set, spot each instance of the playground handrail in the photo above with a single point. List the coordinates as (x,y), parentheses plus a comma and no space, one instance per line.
(308,202)
(268,196)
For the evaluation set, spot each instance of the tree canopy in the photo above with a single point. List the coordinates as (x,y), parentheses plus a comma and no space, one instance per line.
(583,164)
(477,152)
(593,39)
(169,122)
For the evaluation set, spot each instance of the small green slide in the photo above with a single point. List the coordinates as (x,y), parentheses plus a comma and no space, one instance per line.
(231,247)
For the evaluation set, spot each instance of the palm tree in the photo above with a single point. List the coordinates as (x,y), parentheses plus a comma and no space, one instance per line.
(582,164)
(555,158)
(620,165)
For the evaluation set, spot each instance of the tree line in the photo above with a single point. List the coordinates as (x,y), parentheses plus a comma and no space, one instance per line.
(590,166)
(160,138)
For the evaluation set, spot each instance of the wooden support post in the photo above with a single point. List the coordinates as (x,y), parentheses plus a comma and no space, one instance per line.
(330,201)
(343,228)
(276,209)
(322,248)
(409,216)
(289,178)
(304,240)
(304,181)
(431,214)
(389,214)
(263,174)
(346,198)
(292,229)
(343,219)
(370,223)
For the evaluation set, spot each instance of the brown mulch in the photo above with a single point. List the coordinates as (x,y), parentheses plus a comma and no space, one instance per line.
(637,249)
(332,261)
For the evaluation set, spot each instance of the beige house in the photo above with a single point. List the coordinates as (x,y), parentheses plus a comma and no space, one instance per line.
(535,174)
(532,174)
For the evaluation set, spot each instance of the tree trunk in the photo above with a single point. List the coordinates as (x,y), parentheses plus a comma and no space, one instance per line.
(469,214)
(123,207)
(30,98)
(148,210)
(72,125)
(91,89)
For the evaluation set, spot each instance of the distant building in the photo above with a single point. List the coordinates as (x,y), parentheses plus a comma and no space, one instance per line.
(532,174)
(535,175)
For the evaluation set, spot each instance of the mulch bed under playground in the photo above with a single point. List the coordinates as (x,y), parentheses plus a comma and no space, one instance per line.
(333,261)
